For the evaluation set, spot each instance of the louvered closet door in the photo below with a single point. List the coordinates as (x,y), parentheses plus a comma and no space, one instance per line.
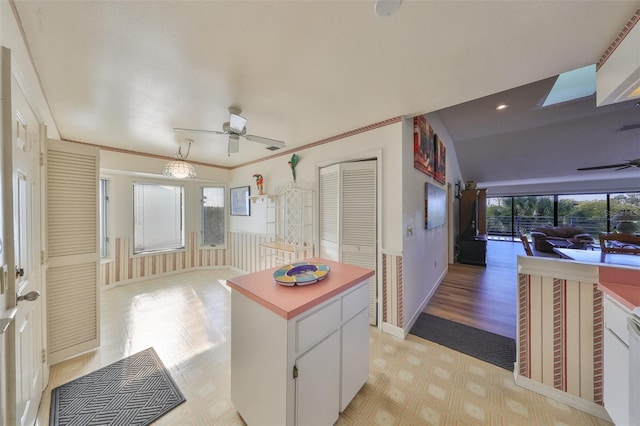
(348,219)
(358,221)
(329,213)
(72,249)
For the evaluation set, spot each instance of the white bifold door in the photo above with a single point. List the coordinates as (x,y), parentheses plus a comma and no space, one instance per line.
(348,219)
(73,295)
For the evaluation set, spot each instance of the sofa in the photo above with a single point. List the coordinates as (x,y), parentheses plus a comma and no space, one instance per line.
(543,234)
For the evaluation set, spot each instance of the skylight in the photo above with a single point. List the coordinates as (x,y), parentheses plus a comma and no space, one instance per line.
(572,85)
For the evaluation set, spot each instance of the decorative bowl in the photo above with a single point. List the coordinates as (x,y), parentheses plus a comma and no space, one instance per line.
(301,273)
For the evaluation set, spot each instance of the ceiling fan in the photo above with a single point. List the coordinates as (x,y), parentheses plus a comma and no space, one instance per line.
(626,165)
(235,128)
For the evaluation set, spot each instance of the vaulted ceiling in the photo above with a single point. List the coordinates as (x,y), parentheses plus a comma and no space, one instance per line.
(123,74)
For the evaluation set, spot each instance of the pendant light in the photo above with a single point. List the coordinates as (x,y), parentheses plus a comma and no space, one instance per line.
(178,167)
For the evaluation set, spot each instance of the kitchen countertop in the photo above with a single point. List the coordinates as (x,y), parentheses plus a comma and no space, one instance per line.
(623,285)
(289,302)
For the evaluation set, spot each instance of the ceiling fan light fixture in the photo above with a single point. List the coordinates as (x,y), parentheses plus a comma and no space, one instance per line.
(178,167)
(237,123)
(384,8)
(234,144)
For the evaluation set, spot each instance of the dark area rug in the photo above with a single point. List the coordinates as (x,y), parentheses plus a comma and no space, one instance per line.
(493,348)
(133,391)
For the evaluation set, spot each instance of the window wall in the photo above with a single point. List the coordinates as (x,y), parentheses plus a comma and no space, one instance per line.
(507,217)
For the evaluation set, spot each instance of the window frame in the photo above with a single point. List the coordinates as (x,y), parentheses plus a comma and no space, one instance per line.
(183,212)
(223,245)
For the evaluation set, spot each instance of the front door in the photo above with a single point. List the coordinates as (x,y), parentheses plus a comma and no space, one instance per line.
(26,372)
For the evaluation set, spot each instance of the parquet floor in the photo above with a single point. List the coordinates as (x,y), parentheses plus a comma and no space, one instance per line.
(483,298)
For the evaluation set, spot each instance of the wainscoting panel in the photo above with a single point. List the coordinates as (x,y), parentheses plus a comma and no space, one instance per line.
(560,328)
(246,254)
(392,306)
(126,267)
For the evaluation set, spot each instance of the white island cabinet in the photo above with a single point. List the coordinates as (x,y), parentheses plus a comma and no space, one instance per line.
(621,288)
(299,354)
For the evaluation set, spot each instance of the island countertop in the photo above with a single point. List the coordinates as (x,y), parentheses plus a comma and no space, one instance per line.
(289,302)
(622,285)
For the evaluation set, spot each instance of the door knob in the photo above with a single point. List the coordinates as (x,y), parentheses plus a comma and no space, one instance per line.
(29,297)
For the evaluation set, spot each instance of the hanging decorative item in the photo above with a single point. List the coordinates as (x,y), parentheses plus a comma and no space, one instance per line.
(259,183)
(293,163)
(178,167)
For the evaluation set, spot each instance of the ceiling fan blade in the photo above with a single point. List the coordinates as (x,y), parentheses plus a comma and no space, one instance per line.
(216,132)
(234,144)
(610,166)
(237,123)
(266,141)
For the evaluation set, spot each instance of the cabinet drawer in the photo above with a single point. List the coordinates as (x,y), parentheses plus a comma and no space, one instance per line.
(615,319)
(312,328)
(354,302)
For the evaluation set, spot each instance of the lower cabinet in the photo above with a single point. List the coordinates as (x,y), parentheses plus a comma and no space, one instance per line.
(355,348)
(301,371)
(616,362)
(318,383)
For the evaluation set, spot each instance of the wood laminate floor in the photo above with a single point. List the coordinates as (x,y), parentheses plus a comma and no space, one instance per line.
(485,298)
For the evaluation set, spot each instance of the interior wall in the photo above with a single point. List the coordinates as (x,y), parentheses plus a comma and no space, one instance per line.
(277,173)
(425,251)
(454,176)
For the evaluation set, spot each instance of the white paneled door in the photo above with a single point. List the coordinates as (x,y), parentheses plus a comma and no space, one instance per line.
(348,218)
(27,365)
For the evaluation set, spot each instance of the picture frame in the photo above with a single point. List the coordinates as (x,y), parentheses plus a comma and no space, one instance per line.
(423,145)
(240,205)
(440,157)
(435,206)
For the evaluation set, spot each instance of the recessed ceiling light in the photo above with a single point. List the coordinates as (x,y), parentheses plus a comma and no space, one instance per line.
(502,106)
(386,7)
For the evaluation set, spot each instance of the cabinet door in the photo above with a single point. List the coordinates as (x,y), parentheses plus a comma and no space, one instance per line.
(616,378)
(318,383)
(355,357)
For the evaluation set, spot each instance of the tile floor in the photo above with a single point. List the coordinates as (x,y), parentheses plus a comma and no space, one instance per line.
(411,382)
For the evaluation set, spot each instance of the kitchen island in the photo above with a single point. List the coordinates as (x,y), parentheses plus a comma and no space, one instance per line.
(299,354)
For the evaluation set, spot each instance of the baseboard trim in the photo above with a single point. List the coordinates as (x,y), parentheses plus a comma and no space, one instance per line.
(563,397)
(394,330)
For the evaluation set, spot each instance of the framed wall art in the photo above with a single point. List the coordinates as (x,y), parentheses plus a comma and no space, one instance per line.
(440,155)
(435,206)
(423,145)
(240,205)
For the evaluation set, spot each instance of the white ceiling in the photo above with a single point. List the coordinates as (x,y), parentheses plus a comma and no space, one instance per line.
(125,73)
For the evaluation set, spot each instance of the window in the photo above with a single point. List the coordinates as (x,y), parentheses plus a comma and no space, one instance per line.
(507,216)
(104,223)
(586,211)
(213,225)
(158,215)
